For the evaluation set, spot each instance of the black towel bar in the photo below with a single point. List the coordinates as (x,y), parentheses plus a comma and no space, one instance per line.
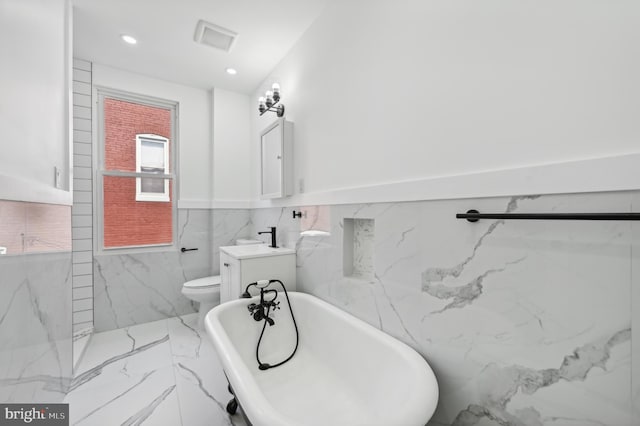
(475,215)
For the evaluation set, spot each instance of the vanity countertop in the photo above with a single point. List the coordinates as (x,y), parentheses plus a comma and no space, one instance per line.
(255,250)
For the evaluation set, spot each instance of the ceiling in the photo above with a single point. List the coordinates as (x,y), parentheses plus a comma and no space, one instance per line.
(165,31)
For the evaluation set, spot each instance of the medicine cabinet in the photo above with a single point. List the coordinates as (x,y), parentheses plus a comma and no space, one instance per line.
(276,147)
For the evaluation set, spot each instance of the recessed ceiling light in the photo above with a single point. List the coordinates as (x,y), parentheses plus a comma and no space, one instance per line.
(232,71)
(128,39)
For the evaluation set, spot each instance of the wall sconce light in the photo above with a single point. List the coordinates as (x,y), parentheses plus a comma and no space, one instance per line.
(269,101)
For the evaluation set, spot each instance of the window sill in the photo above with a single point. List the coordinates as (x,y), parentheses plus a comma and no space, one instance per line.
(159,248)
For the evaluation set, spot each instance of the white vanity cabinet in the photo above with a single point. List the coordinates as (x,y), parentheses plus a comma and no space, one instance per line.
(242,265)
(276,150)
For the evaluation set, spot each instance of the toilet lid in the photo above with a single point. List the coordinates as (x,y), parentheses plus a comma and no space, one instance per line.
(203,282)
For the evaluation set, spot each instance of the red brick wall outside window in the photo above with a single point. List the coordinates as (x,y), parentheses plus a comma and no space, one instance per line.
(128,222)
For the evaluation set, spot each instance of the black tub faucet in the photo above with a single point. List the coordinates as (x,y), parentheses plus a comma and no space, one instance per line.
(273,236)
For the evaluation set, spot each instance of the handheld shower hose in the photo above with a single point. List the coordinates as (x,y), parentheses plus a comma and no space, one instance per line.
(261,312)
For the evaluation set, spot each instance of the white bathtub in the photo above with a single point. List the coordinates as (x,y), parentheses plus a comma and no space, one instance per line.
(345,372)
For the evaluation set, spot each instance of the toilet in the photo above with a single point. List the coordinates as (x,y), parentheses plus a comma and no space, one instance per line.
(206,290)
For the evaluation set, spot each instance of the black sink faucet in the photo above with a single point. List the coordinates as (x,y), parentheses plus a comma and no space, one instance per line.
(273,236)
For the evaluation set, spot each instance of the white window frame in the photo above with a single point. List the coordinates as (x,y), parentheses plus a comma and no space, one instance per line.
(152,196)
(99,171)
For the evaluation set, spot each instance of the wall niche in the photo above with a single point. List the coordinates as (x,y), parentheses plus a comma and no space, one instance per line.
(358,247)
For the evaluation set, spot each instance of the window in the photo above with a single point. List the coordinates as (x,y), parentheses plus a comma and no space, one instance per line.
(135,180)
(152,156)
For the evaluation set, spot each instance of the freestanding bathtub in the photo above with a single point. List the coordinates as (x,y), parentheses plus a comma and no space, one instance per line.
(345,372)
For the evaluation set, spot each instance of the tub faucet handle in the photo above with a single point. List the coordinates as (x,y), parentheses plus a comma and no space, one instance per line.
(274,305)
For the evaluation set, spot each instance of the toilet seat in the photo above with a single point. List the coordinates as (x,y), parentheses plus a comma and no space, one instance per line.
(206,290)
(202,283)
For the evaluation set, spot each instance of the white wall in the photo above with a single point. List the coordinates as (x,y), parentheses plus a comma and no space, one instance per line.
(194,144)
(385,92)
(35,87)
(231,137)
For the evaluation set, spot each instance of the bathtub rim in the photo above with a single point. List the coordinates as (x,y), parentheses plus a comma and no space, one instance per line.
(250,395)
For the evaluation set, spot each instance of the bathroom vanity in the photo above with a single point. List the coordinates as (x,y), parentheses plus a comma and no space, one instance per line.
(242,265)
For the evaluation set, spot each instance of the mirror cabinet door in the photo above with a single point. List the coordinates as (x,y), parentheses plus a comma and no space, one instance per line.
(272,163)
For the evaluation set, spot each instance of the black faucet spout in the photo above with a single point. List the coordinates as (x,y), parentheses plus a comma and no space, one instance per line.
(273,236)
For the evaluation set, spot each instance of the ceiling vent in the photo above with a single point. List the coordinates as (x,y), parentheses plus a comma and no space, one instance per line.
(215,36)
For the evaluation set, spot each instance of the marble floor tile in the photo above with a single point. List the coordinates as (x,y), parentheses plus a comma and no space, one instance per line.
(123,398)
(199,377)
(160,373)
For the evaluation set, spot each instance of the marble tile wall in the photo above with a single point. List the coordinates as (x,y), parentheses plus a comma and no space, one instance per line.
(635,312)
(35,302)
(141,287)
(523,322)
(228,226)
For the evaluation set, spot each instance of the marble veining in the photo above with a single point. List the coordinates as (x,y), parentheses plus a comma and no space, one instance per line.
(82,334)
(144,413)
(228,226)
(137,288)
(363,247)
(398,315)
(461,295)
(524,322)
(35,327)
(93,372)
(195,230)
(80,340)
(194,376)
(439,274)
(507,381)
(161,373)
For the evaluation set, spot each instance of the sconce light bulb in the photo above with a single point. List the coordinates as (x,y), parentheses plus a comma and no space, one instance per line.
(261,100)
(269,94)
(275,88)
(269,99)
